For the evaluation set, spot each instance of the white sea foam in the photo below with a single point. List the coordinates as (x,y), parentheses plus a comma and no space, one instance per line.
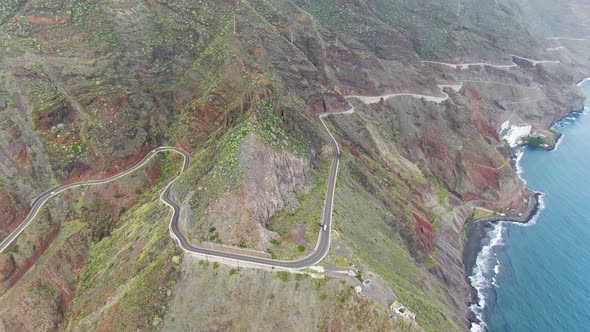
(518,154)
(484,274)
(487,267)
(533,220)
(496,272)
(566,121)
(558,144)
(487,264)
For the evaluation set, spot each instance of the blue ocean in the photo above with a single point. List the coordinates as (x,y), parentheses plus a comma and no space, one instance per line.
(536,277)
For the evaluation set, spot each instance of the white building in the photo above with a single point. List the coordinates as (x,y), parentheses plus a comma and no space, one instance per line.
(514,134)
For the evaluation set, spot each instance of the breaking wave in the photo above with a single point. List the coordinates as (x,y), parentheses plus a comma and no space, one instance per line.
(487,264)
(483,278)
(517,159)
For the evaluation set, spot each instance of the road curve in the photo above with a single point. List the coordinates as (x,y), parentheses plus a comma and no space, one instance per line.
(40,201)
(567,38)
(320,251)
(322,246)
(484,64)
(467,65)
(434,99)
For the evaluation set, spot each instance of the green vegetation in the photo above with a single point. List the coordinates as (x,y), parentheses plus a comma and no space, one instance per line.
(306,215)
(535,141)
(359,276)
(108,80)
(441,192)
(176,260)
(150,269)
(431,258)
(333,305)
(267,127)
(341,261)
(45,93)
(538,141)
(284,276)
(102,38)
(443,25)
(273,133)
(8,8)
(135,278)
(378,246)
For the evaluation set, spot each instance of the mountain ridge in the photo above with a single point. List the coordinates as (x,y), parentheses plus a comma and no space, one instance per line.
(88,88)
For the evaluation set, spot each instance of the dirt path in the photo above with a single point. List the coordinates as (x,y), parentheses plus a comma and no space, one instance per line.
(461,66)
(555,48)
(536,62)
(466,65)
(567,38)
(435,99)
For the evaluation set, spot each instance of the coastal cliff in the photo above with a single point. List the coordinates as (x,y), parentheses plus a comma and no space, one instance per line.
(89,88)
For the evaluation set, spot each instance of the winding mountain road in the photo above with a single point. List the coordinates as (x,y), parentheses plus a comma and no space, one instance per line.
(434,99)
(483,64)
(323,244)
(466,65)
(567,38)
(40,201)
(320,251)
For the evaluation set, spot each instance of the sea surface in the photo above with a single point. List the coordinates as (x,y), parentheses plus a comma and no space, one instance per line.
(536,277)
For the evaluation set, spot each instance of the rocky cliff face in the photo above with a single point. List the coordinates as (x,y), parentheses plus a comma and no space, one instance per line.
(271,181)
(270,178)
(89,87)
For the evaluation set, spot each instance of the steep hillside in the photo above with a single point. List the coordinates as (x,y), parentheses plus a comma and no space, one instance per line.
(87,88)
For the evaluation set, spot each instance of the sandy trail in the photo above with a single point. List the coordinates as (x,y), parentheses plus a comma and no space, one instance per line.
(466,65)
(461,66)
(536,62)
(567,38)
(555,48)
(435,99)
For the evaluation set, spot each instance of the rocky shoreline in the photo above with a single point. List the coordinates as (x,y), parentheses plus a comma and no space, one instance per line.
(477,230)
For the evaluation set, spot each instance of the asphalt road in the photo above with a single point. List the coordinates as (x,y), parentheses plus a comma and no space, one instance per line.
(44,197)
(322,246)
(320,251)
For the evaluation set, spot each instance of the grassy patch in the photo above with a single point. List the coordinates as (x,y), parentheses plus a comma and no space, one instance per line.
(431,258)
(361,225)
(541,141)
(284,276)
(341,261)
(132,268)
(306,215)
(441,192)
